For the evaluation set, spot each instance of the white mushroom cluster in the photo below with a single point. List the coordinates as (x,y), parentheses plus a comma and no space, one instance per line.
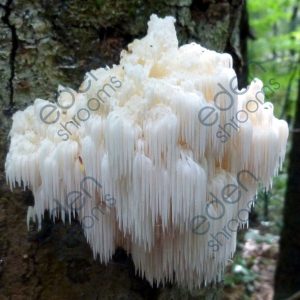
(167,136)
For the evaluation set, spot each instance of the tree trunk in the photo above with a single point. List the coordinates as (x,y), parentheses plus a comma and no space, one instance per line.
(287,279)
(46,43)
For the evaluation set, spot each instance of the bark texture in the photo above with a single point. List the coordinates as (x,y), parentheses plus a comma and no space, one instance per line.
(287,279)
(44,43)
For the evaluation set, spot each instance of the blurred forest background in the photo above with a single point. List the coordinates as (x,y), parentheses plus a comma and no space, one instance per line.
(44,43)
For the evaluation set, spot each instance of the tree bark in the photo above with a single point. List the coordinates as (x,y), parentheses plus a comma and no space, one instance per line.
(287,279)
(46,43)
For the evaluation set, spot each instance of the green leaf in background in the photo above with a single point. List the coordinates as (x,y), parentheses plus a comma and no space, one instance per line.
(275,25)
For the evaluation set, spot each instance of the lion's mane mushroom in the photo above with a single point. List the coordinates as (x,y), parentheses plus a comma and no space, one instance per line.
(165,133)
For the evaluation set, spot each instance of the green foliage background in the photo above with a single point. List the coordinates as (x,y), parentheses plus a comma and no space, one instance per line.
(273,53)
